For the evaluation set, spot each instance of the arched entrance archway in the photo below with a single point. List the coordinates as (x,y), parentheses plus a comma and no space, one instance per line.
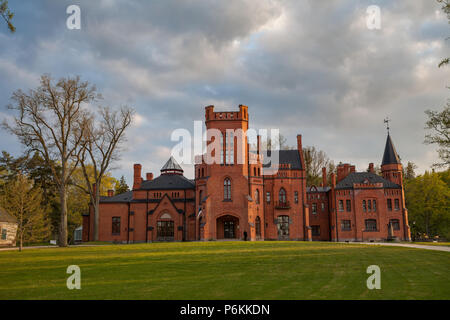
(165,228)
(227,227)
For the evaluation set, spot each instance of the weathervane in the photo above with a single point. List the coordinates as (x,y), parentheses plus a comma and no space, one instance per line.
(387,120)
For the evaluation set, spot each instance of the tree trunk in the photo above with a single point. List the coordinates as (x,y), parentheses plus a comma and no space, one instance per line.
(96,205)
(21,242)
(63,222)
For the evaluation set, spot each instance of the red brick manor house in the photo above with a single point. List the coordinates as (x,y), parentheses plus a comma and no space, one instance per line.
(242,199)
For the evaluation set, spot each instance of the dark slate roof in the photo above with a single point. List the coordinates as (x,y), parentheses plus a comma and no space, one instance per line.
(288,157)
(390,156)
(123,197)
(319,189)
(360,177)
(6,217)
(171,164)
(168,182)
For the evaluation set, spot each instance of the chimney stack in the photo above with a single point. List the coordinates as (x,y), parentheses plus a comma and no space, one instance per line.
(371,168)
(110,193)
(324,177)
(137,180)
(333,180)
(149,176)
(299,143)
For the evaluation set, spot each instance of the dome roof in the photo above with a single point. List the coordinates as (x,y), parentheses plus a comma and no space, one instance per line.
(171,166)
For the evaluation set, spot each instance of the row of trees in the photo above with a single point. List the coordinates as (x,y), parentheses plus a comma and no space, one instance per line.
(76,140)
(28,191)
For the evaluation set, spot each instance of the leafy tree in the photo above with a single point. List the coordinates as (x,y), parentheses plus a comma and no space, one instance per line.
(52,121)
(121,186)
(428,203)
(409,171)
(7,15)
(439,122)
(23,200)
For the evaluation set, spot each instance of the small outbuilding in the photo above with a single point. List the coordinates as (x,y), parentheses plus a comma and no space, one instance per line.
(8,229)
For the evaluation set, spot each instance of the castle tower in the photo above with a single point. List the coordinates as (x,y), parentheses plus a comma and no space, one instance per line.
(391,167)
(392,170)
(223,177)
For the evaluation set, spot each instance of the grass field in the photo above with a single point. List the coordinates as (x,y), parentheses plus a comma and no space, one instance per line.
(226,270)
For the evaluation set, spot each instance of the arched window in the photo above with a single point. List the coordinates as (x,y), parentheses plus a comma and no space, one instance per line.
(227,189)
(257,196)
(282,196)
(258,227)
(203,172)
(254,172)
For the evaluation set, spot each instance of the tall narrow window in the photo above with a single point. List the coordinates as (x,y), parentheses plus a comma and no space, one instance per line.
(369,205)
(282,196)
(4,234)
(323,206)
(389,204)
(257,196)
(397,204)
(296,196)
(341,205)
(227,189)
(229,148)
(314,208)
(258,227)
(374,202)
(268,197)
(348,204)
(364,206)
(221,148)
(200,194)
(115,225)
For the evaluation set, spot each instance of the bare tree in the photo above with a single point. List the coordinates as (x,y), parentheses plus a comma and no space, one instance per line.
(52,121)
(100,148)
(315,160)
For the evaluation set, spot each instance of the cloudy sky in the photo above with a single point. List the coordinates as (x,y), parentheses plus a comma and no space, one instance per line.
(309,67)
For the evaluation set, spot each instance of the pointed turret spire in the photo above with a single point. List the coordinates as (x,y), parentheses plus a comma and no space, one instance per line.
(390,155)
(171,166)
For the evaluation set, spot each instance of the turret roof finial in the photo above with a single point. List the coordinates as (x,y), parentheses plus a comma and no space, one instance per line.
(387,120)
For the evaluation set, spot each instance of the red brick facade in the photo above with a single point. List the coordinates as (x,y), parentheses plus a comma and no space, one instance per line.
(237,197)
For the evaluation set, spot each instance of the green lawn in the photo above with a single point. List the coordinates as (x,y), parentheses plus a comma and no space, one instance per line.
(226,270)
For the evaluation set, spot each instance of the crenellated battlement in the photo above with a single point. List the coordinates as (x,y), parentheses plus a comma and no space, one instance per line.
(241,115)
